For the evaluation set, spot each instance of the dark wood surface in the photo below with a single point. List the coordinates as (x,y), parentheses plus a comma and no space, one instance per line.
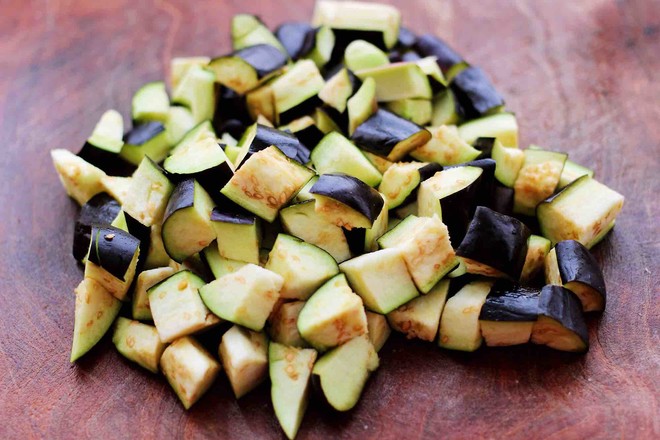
(583,77)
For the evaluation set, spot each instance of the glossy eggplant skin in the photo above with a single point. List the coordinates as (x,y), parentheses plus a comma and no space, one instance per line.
(406,38)
(101,209)
(563,306)
(355,239)
(297,37)
(430,45)
(485,145)
(142,233)
(576,263)
(310,136)
(496,240)
(230,106)
(107,161)
(235,215)
(458,209)
(143,133)
(350,191)
(383,131)
(263,58)
(486,180)
(286,142)
(502,199)
(112,249)
(475,93)
(182,197)
(234,127)
(510,303)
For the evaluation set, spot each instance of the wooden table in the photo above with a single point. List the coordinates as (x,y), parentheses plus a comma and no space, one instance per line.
(582,77)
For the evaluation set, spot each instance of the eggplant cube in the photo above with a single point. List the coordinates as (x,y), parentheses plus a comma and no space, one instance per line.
(139,343)
(284,324)
(445,147)
(177,308)
(80,179)
(245,297)
(239,235)
(420,317)
(537,250)
(560,324)
(378,329)
(508,315)
(459,325)
(381,279)
(189,369)
(333,315)
(145,281)
(149,193)
(244,356)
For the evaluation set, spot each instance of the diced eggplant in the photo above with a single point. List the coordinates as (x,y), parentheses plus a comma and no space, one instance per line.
(537,179)
(485,145)
(104,144)
(336,154)
(389,135)
(145,281)
(157,255)
(248,30)
(459,325)
(149,194)
(430,45)
(508,315)
(342,373)
(417,111)
(495,245)
(179,121)
(323,46)
(338,89)
(266,182)
(247,68)
(244,356)
(486,182)
(290,370)
(177,308)
(179,66)
(560,323)
(398,81)
(219,265)
(420,317)
(238,233)
(401,180)
(475,93)
(148,139)
(143,234)
(95,311)
(306,130)
(333,315)
(573,267)
(346,201)
(295,91)
(197,92)
(445,147)
(150,103)
(138,343)
(189,369)
(382,164)
(80,179)
(584,211)
(509,161)
(378,329)
(572,172)
(502,126)
(297,38)
(199,132)
(231,112)
(258,137)
(284,325)
(100,209)
(245,297)
(360,55)
(537,250)
(361,105)
(444,109)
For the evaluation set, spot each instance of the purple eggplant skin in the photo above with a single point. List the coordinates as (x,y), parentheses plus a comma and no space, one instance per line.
(344,37)
(407,38)
(475,92)
(383,131)
(309,136)
(285,141)
(502,199)
(112,249)
(230,106)
(143,133)
(430,45)
(458,209)
(142,233)
(297,37)
(564,306)
(355,239)
(496,240)
(350,191)
(263,58)
(576,263)
(232,215)
(234,127)
(107,161)
(485,145)
(508,302)
(182,197)
(100,209)
(486,180)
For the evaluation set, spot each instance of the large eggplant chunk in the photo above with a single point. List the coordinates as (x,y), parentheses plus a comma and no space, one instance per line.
(420,317)
(80,179)
(401,180)
(495,245)
(417,111)
(346,201)
(399,81)
(138,343)
(238,233)
(537,179)
(475,93)
(150,103)
(147,139)
(572,266)
(430,45)
(103,146)
(485,191)
(560,323)
(295,91)
(187,225)
(204,161)
(290,370)
(247,68)
(537,251)
(100,209)
(341,374)
(584,211)
(112,259)
(244,356)
(336,154)
(297,38)
(361,54)
(452,195)
(389,135)
(258,137)
(248,30)
(508,315)
(149,193)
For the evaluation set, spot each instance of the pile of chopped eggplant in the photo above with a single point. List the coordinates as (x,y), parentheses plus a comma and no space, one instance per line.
(312,190)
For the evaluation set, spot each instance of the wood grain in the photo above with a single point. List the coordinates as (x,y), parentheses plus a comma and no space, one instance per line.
(583,78)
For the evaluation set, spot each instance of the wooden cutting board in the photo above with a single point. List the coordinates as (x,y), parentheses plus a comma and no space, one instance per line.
(582,77)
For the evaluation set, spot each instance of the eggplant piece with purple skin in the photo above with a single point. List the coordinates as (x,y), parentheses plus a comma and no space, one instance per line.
(508,315)
(475,93)
(495,245)
(258,137)
(430,45)
(238,232)
(297,38)
(230,106)
(486,181)
(560,323)
(100,209)
(142,233)
(346,201)
(573,267)
(406,38)
(306,130)
(485,145)
(502,199)
(389,135)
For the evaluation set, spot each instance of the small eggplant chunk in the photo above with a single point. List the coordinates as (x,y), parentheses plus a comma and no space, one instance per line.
(247,68)
(346,201)
(537,179)
(284,325)
(189,369)
(238,233)
(248,30)
(145,281)
(578,271)
(389,135)
(150,191)
(475,93)
(258,137)
(219,265)
(401,181)
(378,329)
(100,209)
(509,161)
(244,356)
(138,343)
(150,103)
(459,325)
(537,250)
(560,324)
(177,308)
(445,147)
(333,315)
(336,92)
(80,179)
(95,311)
(336,154)
(295,91)
(430,45)
(508,315)
(103,146)
(297,38)
(360,54)
(290,370)
(112,259)
(502,126)
(420,317)
(306,130)
(342,373)
(148,139)
(245,297)
(196,91)
(495,245)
